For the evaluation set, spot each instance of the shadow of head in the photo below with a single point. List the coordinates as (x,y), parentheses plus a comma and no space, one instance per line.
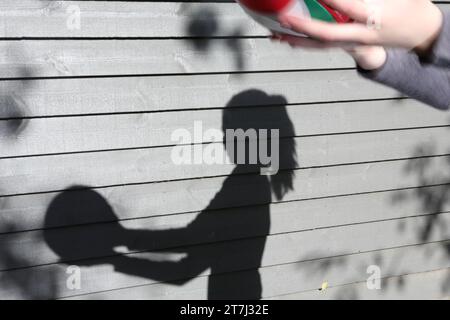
(259,136)
(78,208)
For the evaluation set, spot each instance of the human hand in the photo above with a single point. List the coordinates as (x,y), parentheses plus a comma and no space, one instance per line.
(411,24)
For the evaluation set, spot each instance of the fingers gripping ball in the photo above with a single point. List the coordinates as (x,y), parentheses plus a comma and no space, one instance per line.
(266,12)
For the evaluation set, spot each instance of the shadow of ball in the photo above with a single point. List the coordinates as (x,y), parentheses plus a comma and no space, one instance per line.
(80,211)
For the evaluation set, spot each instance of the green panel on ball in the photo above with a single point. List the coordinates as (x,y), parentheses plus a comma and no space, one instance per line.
(318,12)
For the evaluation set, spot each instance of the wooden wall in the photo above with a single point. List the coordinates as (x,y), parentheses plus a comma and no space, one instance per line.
(85,171)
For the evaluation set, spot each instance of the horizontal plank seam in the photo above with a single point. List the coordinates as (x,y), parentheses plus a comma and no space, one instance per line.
(114,38)
(354,283)
(161,75)
(74,261)
(203,109)
(249,206)
(344,133)
(268,266)
(225,175)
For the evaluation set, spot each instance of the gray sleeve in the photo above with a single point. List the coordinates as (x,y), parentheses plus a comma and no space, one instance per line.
(425,79)
(440,54)
(403,71)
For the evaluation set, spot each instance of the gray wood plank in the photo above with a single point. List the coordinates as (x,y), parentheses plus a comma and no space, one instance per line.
(38,247)
(125,19)
(145,200)
(106,132)
(55,58)
(311,275)
(431,285)
(137,94)
(50,281)
(48,173)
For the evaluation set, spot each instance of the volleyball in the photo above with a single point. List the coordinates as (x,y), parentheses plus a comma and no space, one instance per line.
(266,12)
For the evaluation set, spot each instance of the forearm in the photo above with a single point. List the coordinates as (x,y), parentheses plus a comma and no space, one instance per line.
(425,78)
(425,82)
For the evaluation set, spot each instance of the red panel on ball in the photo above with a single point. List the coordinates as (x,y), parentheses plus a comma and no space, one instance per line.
(339,17)
(266,6)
